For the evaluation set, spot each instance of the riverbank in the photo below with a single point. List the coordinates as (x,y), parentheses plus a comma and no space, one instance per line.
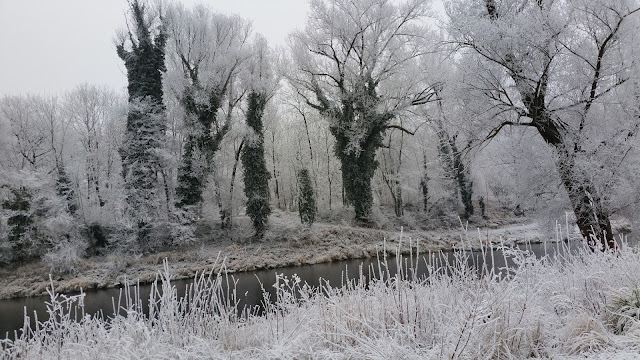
(285,244)
(580,306)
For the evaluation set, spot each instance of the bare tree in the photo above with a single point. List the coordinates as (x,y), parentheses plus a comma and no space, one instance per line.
(90,109)
(30,132)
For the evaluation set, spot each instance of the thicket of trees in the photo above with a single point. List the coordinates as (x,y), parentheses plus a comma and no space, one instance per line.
(500,104)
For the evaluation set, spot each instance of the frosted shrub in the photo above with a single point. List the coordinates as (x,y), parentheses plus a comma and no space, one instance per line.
(34,217)
(182,234)
(62,259)
(379,220)
(624,309)
(586,333)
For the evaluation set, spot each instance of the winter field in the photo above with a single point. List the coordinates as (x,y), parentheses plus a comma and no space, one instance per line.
(585,305)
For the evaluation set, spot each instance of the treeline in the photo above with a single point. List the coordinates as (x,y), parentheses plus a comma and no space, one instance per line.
(371,107)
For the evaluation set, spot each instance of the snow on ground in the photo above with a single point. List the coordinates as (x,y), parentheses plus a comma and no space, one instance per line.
(586,306)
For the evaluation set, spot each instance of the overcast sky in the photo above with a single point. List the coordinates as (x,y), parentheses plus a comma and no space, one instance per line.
(51,46)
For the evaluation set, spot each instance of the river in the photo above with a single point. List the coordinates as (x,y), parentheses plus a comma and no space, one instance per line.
(250,284)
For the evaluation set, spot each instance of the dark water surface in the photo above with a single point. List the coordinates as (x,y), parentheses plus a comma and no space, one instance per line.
(250,284)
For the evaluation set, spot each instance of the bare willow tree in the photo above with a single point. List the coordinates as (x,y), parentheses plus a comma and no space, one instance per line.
(355,62)
(563,69)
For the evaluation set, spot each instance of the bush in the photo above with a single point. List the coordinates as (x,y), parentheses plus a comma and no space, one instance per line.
(624,309)
(34,217)
(63,258)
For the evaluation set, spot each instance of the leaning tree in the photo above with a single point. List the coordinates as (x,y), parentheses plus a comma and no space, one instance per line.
(142,48)
(561,68)
(354,62)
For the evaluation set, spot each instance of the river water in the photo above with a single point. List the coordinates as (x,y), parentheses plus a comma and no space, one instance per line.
(249,287)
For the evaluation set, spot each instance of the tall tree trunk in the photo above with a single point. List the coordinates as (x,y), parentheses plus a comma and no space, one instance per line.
(399,208)
(328,169)
(591,216)
(399,205)
(424,184)
(256,175)
(313,166)
(275,173)
(226,213)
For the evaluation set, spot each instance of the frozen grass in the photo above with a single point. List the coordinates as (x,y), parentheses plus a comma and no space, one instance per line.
(586,305)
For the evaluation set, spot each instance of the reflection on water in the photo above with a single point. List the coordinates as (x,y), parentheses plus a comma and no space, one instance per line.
(250,285)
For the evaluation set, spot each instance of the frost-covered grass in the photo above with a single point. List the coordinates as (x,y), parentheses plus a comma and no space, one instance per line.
(583,305)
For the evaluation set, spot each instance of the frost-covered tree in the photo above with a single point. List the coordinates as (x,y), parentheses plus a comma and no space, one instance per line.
(562,69)
(262,82)
(455,168)
(356,66)
(142,49)
(91,110)
(206,51)
(30,146)
(37,218)
(39,135)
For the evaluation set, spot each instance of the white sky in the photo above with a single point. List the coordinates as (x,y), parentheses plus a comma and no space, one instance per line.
(51,46)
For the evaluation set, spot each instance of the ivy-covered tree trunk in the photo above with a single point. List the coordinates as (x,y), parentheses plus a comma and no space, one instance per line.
(359,130)
(456,169)
(203,140)
(424,184)
(306,198)
(357,171)
(20,223)
(256,175)
(146,121)
(462,178)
